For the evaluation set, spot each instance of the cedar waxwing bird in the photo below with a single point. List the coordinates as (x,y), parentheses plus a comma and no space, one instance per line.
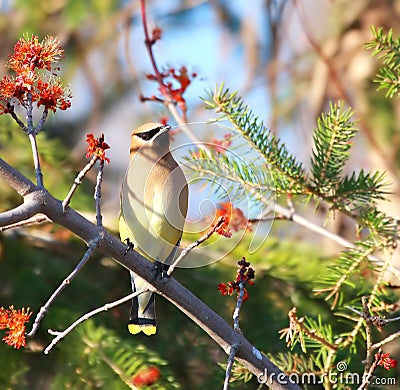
(154,201)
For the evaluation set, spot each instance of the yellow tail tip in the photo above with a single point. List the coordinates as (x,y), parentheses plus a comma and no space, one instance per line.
(148,330)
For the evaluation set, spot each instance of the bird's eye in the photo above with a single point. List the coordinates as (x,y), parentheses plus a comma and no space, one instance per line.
(147,135)
(143,136)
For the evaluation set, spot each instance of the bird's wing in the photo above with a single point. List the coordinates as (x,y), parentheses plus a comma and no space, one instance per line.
(152,217)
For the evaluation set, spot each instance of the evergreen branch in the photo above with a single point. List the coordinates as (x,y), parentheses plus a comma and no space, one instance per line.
(254,181)
(288,173)
(380,226)
(359,190)
(307,332)
(107,361)
(332,142)
(386,48)
(114,367)
(294,363)
(340,273)
(240,178)
(351,337)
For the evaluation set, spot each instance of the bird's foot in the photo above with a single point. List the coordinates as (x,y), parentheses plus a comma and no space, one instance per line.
(160,270)
(129,245)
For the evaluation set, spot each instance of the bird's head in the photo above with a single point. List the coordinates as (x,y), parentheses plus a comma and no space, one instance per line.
(151,135)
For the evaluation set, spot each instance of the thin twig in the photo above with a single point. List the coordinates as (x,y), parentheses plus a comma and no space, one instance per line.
(37,200)
(388,339)
(40,124)
(169,103)
(299,322)
(327,367)
(29,113)
(236,312)
(97,194)
(236,328)
(392,319)
(350,338)
(107,306)
(35,220)
(182,122)
(367,376)
(36,160)
(148,42)
(287,214)
(43,310)
(193,245)
(235,347)
(368,335)
(231,359)
(78,181)
(11,111)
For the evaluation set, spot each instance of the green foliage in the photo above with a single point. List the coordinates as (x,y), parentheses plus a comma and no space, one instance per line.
(355,194)
(288,174)
(240,177)
(96,356)
(54,158)
(12,373)
(332,142)
(293,362)
(102,360)
(28,275)
(340,273)
(387,49)
(350,276)
(72,13)
(360,190)
(281,172)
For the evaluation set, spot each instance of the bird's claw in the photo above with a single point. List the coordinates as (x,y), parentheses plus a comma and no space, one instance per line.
(160,270)
(129,245)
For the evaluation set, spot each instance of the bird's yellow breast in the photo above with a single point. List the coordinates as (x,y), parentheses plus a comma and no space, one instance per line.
(153,205)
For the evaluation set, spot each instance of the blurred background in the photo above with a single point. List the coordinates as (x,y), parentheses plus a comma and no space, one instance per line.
(287,59)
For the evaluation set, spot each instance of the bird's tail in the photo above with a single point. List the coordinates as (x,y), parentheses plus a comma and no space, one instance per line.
(143,314)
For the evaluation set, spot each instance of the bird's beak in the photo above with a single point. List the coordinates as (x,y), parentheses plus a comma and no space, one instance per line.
(165,129)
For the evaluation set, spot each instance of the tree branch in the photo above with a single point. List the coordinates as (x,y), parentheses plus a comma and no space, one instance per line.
(43,310)
(36,159)
(20,213)
(218,329)
(287,214)
(78,180)
(15,179)
(107,306)
(37,219)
